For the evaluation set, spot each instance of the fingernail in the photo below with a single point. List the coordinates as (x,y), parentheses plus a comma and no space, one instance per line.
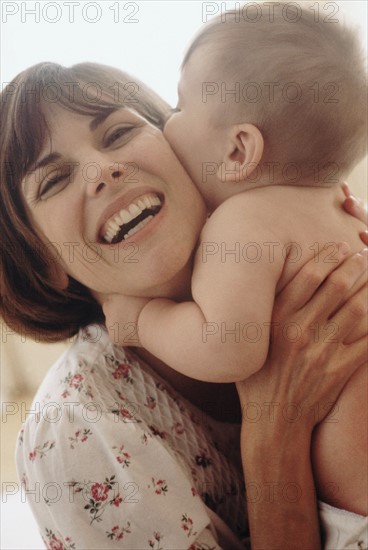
(344,248)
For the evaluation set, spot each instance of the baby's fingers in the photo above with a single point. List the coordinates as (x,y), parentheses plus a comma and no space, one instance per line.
(355,207)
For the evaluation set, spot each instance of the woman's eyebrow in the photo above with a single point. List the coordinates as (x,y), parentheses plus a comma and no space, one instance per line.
(52,157)
(99,119)
(45,161)
(48,159)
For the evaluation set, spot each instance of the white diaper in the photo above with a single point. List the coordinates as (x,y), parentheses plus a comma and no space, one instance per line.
(343,530)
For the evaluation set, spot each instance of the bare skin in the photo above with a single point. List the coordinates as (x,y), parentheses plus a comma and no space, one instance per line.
(282,507)
(276,523)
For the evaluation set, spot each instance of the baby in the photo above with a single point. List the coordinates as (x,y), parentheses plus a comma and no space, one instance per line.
(271,116)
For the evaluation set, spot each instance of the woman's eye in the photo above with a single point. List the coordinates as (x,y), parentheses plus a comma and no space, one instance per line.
(116,134)
(53,185)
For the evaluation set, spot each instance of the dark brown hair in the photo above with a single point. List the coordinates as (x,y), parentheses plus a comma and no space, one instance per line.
(29,302)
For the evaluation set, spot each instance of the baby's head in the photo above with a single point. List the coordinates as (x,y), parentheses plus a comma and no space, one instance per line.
(272,93)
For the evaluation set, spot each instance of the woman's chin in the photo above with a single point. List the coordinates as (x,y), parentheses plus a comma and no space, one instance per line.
(169,279)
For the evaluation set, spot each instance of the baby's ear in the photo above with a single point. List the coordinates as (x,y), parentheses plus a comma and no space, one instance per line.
(244,150)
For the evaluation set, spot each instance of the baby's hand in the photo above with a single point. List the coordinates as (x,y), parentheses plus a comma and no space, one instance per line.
(121,317)
(355,207)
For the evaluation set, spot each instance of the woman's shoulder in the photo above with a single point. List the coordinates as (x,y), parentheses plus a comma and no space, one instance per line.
(83,389)
(81,411)
(84,369)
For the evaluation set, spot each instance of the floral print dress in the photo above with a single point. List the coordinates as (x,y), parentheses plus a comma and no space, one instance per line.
(112,457)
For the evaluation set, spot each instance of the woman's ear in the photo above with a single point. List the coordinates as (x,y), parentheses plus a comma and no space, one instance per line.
(244,152)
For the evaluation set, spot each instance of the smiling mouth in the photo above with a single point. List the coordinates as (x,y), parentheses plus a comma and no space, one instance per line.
(130,220)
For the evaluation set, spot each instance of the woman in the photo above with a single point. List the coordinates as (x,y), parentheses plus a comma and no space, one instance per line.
(120,437)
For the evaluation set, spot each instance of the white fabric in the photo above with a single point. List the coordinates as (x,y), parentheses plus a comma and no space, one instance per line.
(343,530)
(114,458)
(107,428)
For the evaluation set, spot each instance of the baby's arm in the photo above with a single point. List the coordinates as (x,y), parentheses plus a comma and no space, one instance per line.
(223,335)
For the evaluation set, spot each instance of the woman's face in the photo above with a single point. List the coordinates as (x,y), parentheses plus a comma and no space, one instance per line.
(95,180)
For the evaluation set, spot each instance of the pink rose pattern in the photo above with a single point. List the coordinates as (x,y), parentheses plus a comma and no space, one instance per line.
(126,414)
(100,492)
(122,370)
(101,495)
(118,533)
(79,435)
(159,486)
(123,457)
(151,403)
(162,434)
(187,525)
(154,542)
(54,542)
(41,450)
(76,382)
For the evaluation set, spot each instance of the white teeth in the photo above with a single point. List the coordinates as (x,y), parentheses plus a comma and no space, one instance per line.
(138,227)
(125,216)
(135,210)
(114,224)
(112,227)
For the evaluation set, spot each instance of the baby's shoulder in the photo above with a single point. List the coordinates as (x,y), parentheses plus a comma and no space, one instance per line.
(253,211)
(253,202)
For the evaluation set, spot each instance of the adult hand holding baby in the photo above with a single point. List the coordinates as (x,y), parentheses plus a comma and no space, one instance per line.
(295,390)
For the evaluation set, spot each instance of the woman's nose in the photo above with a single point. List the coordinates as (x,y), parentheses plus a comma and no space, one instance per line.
(98,177)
